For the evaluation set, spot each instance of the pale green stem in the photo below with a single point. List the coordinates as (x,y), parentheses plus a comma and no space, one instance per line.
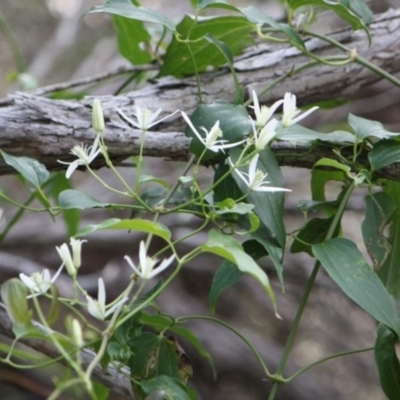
(322,360)
(310,283)
(248,343)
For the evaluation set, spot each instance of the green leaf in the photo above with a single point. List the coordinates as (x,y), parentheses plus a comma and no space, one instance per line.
(13,294)
(126,9)
(347,267)
(384,153)
(234,123)
(319,177)
(256,16)
(328,207)
(379,209)
(131,36)
(153,355)
(299,134)
(228,248)
(224,4)
(330,163)
(226,51)
(149,178)
(140,225)
(341,10)
(169,388)
(313,232)
(263,236)
(360,8)
(32,170)
(387,362)
(161,322)
(233,31)
(365,128)
(227,275)
(227,188)
(71,217)
(74,199)
(390,271)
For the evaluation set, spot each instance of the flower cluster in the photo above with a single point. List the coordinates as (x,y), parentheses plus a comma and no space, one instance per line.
(40,282)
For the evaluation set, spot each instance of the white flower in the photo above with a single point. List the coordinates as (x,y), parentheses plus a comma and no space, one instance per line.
(39,282)
(98,307)
(290,110)
(264,113)
(255,179)
(265,135)
(145,118)
(84,154)
(72,263)
(146,268)
(211,141)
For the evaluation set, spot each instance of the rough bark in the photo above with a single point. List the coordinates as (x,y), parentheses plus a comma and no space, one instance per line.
(47,129)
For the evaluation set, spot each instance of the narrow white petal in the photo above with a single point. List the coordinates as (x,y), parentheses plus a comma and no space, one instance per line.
(130,121)
(256,104)
(189,122)
(114,307)
(132,265)
(102,293)
(94,309)
(72,167)
(305,114)
(27,281)
(165,264)
(142,257)
(252,169)
(270,189)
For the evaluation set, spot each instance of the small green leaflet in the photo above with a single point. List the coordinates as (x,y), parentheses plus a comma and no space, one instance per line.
(74,199)
(126,9)
(141,225)
(384,153)
(365,128)
(183,59)
(32,170)
(227,247)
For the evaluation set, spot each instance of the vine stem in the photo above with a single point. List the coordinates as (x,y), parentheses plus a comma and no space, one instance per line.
(310,283)
(357,58)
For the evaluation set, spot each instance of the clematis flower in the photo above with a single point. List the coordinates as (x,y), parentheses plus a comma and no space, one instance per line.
(39,282)
(211,141)
(263,113)
(290,111)
(146,268)
(72,262)
(97,308)
(145,118)
(265,135)
(255,179)
(84,154)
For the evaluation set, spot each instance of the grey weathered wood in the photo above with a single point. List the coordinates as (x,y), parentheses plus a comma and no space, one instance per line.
(47,129)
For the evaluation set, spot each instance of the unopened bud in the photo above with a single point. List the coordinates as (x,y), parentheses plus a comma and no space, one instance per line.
(77,333)
(97,117)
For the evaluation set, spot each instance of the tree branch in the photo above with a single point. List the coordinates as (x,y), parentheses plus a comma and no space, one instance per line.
(47,129)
